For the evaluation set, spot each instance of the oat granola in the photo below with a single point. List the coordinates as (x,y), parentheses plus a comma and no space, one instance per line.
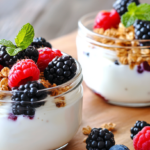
(127,56)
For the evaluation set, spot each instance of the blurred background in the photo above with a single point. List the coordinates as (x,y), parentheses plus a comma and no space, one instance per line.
(50,18)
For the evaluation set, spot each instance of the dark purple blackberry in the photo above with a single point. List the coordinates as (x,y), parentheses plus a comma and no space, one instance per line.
(60,70)
(121,5)
(27,97)
(40,42)
(8,61)
(100,139)
(142,31)
(139,125)
(31,53)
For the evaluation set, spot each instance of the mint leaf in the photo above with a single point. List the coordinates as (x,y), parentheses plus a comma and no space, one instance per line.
(7,43)
(25,36)
(128,19)
(132,7)
(141,12)
(13,51)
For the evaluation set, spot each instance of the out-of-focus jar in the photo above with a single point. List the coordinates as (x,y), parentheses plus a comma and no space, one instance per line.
(118,80)
(54,123)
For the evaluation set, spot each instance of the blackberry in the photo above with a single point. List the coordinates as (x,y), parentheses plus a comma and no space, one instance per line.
(100,139)
(31,53)
(121,5)
(8,61)
(60,70)
(139,125)
(142,31)
(40,42)
(27,97)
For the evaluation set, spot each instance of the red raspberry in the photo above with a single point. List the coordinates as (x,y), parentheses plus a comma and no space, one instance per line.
(22,72)
(107,20)
(45,56)
(142,139)
(1,67)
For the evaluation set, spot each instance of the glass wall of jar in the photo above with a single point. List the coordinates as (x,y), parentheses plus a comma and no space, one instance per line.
(46,124)
(117,70)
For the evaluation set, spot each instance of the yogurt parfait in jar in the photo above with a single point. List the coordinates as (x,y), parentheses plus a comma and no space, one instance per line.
(40,94)
(114,52)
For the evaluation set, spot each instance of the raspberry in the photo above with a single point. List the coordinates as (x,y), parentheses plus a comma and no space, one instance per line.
(22,72)
(45,56)
(1,67)
(107,20)
(142,139)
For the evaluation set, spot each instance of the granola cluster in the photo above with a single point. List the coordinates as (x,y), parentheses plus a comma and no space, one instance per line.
(128,51)
(4,82)
(59,101)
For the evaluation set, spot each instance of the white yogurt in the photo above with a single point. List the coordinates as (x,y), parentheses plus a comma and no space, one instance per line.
(116,83)
(51,127)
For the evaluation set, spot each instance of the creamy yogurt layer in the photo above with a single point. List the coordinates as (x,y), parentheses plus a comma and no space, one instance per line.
(50,128)
(117,83)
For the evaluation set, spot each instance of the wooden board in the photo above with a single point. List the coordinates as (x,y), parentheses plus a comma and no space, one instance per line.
(97,112)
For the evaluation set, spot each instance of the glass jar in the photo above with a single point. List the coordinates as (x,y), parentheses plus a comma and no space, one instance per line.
(56,120)
(117,83)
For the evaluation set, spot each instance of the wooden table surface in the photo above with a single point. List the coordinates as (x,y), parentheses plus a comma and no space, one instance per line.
(97,112)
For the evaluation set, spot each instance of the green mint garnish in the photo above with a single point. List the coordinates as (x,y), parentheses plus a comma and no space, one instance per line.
(22,40)
(141,12)
(7,43)
(25,36)
(13,51)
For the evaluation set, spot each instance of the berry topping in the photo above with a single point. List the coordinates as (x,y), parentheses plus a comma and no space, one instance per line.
(27,97)
(121,5)
(139,125)
(45,56)
(40,42)
(119,147)
(22,72)
(142,31)
(107,20)
(60,70)
(100,139)
(8,61)
(142,139)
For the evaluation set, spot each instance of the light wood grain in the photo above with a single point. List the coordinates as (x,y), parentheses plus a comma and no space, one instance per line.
(97,112)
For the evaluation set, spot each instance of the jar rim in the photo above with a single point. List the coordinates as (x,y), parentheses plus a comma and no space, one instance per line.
(92,33)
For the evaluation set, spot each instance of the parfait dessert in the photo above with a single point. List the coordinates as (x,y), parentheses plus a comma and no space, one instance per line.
(40,94)
(114,51)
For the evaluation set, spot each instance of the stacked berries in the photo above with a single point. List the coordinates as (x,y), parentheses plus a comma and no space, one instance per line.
(27,97)
(139,125)
(40,42)
(121,5)
(100,139)
(8,61)
(107,20)
(45,56)
(60,69)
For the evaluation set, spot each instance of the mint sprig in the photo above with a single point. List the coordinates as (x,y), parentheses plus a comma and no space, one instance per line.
(22,40)
(141,12)
(25,36)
